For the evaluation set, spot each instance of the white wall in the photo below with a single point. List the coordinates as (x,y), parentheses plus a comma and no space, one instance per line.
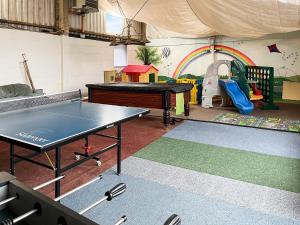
(285,64)
(56,63)
(43,53)
(84,62)
(131,55)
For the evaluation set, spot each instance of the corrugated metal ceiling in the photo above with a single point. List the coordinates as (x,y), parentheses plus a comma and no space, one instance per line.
(40,12)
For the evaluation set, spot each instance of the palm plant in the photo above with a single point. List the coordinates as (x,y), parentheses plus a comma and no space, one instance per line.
(148,55)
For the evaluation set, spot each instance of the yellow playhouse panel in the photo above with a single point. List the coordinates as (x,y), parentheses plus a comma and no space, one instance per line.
(194,90)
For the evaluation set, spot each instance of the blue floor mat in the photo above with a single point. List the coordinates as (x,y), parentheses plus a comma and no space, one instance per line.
(150,203)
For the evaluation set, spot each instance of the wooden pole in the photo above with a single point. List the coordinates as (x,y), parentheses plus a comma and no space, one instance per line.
(27,72)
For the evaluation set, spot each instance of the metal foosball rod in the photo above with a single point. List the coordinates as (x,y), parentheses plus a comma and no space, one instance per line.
(77,189)
(47,183)
(173,220)
(34,188)
(35,210)
(109,195)
(19,218)
(122,220)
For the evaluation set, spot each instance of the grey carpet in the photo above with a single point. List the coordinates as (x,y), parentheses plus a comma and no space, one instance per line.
(260,198)
(150,203)
(243,138)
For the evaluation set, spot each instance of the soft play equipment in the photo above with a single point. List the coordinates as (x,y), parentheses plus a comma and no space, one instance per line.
(238,71)
(211,86)
(264,77)
(238,97)
(237,89)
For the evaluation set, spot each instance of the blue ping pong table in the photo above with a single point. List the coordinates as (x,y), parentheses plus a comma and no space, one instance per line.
(46,123)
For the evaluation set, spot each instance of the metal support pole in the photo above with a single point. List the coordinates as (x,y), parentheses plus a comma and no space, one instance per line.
(57,170)
(119,148)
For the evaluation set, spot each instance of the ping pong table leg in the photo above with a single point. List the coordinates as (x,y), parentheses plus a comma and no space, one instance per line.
(12,159)
(57,170)
(119,149)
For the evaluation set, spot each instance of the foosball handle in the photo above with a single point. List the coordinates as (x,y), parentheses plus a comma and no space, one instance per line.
(115,191)
(7,222)
(122,220)
(173,220)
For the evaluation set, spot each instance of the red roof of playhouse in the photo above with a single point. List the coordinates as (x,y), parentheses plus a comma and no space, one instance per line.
(137,69)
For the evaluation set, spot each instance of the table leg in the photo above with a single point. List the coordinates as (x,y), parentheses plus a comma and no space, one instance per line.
(187,109)
(119,149)
(86,144)
(166,116)
(166,106)
(57,170)
(12,159)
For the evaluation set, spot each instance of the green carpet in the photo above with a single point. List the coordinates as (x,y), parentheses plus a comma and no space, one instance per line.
(261,122)
(272,171)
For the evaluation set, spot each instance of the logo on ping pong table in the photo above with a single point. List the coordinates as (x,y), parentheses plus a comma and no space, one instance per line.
(32,137)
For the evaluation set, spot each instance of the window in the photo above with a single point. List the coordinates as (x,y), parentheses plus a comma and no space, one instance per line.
(113,24)
(120,56)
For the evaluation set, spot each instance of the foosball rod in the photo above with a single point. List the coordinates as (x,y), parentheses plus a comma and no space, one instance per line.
(173,220)
(36,210)
(34,188)
(19,218)
(77,189)
(122,220)
(109,195)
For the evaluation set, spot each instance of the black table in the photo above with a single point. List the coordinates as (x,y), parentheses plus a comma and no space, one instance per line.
(147,95)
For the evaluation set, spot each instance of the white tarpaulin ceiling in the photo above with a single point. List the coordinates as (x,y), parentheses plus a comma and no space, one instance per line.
(202,18)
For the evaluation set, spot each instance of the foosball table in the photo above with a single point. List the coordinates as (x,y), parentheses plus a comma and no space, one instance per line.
(22,205)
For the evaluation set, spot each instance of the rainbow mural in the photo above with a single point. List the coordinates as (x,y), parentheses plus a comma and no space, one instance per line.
(220,49)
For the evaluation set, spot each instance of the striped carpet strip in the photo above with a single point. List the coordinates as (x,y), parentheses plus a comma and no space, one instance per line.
(259,198)
(266,170)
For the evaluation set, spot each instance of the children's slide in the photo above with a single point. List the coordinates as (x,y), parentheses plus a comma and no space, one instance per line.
(238,97)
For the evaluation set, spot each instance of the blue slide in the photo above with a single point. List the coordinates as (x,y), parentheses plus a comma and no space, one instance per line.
(238,97)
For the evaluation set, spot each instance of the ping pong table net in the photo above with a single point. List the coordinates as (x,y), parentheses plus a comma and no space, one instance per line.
(29,102)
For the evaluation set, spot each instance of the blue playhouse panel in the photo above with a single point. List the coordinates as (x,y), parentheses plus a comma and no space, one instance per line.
(238,97)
